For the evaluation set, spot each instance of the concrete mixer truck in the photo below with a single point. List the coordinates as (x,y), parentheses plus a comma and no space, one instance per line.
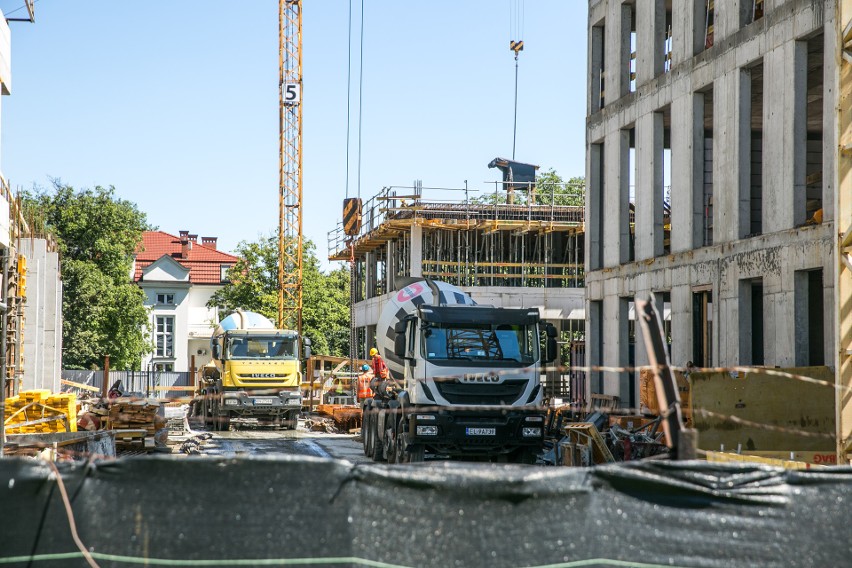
(464,379)
(255,373)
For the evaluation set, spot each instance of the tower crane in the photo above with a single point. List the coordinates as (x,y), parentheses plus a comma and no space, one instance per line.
(290,165)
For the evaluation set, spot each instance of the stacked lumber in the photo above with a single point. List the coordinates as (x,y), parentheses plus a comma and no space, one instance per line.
(40,411)
(134,420)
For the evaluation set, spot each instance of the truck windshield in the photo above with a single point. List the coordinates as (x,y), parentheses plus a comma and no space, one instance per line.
(258,347)
(474,342)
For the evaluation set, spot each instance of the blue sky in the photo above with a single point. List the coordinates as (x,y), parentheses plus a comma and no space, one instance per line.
(176,105)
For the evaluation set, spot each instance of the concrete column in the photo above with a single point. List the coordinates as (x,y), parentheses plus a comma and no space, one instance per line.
(785,133)
(830,92)
(415,269)
(390,266)
(779,318)
(617,50)
(650,36)
(687,175)
(729,17)
(593,244)
(649,186)
(616,233)
(614,349)
(681,318)
(596,63)
(594,344)
(731,156)
(688,23)
(370,274)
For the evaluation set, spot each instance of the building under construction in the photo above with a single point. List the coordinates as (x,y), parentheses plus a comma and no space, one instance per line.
(511,247)
(742,107)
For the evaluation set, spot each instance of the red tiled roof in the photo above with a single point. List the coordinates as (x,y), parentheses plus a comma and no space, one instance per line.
(204,262)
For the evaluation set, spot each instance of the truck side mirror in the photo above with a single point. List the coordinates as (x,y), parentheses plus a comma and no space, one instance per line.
(399,345)
(217,351)
(551,349)
(306,348)
(550,329)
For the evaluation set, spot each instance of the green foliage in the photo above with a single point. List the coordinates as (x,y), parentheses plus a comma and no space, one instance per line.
(550,188)
(97,235)
(253,286)
(253,280)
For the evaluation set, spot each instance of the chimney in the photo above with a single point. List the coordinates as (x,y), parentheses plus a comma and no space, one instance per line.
(209,241)
(183,235)
(185,246)
(193,239)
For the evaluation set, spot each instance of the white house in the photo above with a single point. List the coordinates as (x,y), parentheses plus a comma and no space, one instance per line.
(179,275)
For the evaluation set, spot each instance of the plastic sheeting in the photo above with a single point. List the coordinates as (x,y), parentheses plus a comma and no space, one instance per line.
(446,514)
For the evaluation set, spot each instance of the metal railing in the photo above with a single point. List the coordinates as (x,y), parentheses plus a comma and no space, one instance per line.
(408,203)
(147,383)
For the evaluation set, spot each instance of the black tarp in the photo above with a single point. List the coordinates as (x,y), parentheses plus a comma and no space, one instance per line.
(221,512)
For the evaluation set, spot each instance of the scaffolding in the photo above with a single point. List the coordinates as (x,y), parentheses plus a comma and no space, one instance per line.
(465,242)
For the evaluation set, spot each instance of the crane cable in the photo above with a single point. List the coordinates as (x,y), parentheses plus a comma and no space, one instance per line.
(348,96)
(516,44)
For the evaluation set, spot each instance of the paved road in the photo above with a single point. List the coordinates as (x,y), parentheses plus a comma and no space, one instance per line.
(258,441)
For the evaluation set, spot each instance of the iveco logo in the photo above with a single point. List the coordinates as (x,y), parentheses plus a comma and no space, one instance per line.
(263,375)
(480,378)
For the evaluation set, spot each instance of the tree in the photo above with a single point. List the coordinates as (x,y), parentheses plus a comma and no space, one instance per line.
(549,188)
(97,235)
(253,286)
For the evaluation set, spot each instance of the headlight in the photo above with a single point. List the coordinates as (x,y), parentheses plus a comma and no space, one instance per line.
(427,430)
(232,402)
(531,432)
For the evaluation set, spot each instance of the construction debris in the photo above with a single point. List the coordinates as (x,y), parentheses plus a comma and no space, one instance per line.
(346,417)
(600,437)
(321,424)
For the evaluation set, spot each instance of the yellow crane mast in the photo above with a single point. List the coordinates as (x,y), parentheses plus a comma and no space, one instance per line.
(290,165)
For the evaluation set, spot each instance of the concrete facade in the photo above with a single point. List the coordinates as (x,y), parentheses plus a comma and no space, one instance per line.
(42,319)
(742,122)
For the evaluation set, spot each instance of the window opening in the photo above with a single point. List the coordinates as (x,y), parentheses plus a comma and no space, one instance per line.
(164,336)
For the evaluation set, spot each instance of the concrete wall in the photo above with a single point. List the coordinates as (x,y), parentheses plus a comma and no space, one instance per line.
(42,327)
(775,41)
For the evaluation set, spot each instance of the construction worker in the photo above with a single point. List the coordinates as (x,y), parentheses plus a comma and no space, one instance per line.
(380,370)
(364,390)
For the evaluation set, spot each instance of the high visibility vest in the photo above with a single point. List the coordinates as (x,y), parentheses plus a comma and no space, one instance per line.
(364,390)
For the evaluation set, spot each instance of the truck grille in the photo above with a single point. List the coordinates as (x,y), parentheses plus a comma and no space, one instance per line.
(504,393)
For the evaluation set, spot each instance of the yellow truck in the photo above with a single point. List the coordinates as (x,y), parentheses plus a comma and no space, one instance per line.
(255,373)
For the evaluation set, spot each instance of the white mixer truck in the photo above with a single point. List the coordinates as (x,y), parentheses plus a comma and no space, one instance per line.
(464,379)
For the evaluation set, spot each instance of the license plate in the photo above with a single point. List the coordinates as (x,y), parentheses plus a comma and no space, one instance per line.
(481,431)
(262,401)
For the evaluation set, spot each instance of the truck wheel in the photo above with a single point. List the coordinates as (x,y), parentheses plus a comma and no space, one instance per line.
(401,443)
(366,432)
(377,453)
(214,415)
(390,445)
(416,453)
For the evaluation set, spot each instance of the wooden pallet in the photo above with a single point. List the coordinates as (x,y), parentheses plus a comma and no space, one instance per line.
(585,433)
